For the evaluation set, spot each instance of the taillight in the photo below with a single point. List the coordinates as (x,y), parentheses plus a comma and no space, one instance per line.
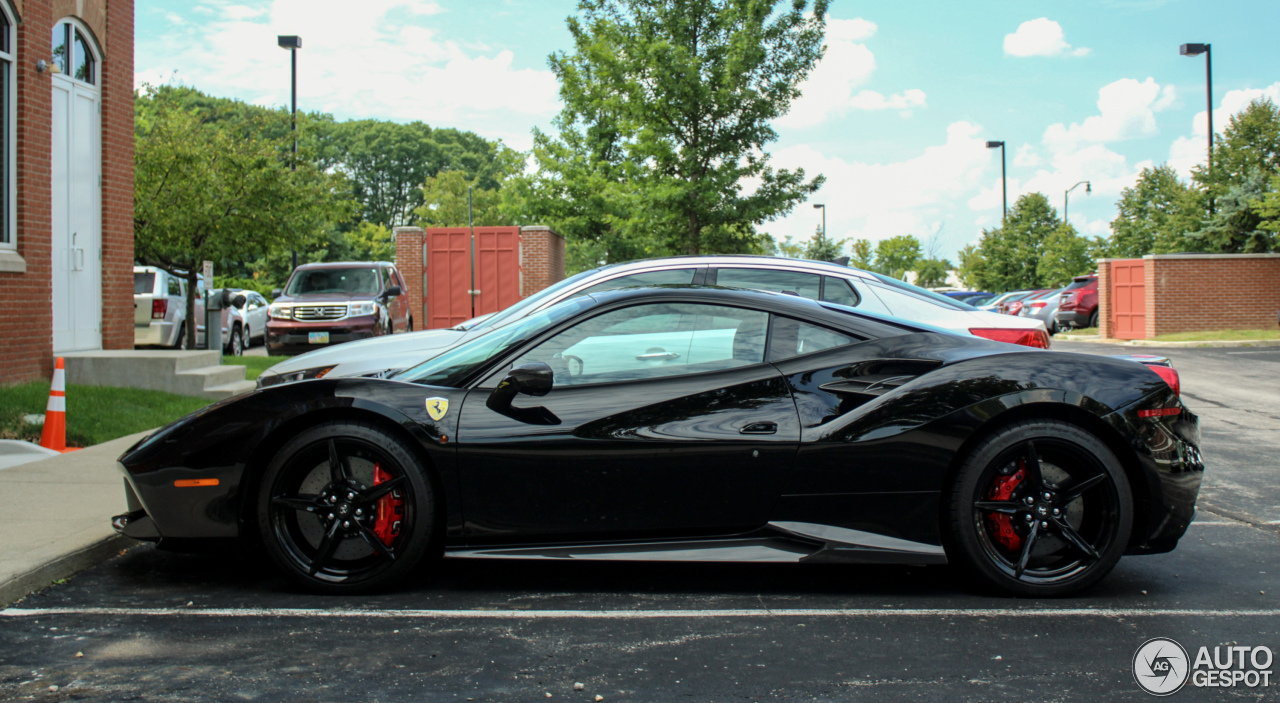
(1027,338)
(1037,306)
(1170,377)
(159,308)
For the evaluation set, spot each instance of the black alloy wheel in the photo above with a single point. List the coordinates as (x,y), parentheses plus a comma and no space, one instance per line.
(345,507)
(1042,508)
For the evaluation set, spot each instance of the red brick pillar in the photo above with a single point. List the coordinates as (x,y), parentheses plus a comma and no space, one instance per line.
(1153,295)
(1104,298)
(541,259)
(117,175)
(409,260)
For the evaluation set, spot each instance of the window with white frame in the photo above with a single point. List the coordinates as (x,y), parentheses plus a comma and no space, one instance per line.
(8,95)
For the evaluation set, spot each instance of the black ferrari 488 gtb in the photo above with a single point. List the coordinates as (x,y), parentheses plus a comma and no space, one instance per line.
(692,423)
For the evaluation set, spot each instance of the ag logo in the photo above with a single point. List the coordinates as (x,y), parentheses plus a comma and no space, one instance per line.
(1160,666)
(437,407)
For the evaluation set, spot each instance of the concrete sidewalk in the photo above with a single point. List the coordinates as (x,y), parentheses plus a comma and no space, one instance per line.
(55,515)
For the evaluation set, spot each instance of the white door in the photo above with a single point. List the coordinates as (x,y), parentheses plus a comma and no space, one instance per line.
(76,216)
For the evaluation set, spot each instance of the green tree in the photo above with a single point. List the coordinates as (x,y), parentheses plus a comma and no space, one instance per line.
(668,108)
(897,255)
(787,247)
(371,242)
(445,203)
(1010,255)
(861,255)
(823,248)
(1236,226)
(1063,256)
(931,273)
(1155,214)
(1268,209)
(1250,143)
(972,269)
(205,192)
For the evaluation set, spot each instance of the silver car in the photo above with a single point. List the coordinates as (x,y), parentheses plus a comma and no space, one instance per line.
(810,279)
(1043,309)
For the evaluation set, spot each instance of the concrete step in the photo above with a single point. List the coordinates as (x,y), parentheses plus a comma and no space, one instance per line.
(193,373)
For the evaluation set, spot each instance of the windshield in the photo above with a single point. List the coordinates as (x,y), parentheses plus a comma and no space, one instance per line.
(452,368)
(928,294)
(1079,283)
(521,308)
(353,280)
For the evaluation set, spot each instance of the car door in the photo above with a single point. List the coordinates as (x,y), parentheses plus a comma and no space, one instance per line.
(663,419)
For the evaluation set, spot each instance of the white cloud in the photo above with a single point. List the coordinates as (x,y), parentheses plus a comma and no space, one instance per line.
(876,201)
(1126,111)
(1027,157)
(387,61)
(1040,37)
(1191,150)
(828,91)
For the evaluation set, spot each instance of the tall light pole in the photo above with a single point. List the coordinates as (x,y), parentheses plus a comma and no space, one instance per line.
(823,208)
(1088,188)
(292,42)
(1004,179)
(1196,50)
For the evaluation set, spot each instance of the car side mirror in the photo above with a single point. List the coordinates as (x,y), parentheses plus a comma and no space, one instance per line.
(533,379)
(275,293)
(393,292)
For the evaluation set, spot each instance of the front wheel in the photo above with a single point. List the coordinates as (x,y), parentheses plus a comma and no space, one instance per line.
(345,507)
(235,345)
(1040,508)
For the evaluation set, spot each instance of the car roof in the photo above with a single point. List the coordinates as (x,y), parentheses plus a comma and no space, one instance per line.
(341,264)
(737,259)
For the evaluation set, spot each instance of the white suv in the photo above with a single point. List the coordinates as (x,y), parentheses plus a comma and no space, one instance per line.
(810,279)
(160,311)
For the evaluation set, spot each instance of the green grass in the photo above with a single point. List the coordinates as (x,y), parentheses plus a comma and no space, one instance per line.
(254,365)
(1219,335)
(1080,332)
(95,414)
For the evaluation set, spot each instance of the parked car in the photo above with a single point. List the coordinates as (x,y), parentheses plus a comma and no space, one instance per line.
(692,423)
(967,296)
(1043,308)
(160,310)
(255,316)
(993,305)
(332,303)
(1079,306)
(1013,306)
(808,279)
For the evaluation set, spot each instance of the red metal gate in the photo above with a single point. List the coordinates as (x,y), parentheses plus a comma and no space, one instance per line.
(1128,299)
(455,291)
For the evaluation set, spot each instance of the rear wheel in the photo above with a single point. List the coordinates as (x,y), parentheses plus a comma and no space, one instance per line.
(345,507)
(1042,508)
(1093,319)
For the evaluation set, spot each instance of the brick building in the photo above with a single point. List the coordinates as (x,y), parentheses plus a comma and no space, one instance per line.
(1171,293)
(66,181)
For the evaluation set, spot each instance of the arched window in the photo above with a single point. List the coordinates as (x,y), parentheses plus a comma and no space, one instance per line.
(72,54)
(8,127)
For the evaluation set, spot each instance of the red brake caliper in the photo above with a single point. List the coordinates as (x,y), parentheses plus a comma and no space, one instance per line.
(1002,489)
(390,509)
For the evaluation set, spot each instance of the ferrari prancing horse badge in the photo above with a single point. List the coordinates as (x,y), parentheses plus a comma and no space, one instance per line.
(437,407)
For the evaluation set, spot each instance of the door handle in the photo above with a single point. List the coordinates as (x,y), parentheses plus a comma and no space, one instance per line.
(657,355)
(759,428)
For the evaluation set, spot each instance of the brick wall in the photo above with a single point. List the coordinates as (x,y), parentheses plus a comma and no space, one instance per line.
(541,259)
(1212,292)
(409,262)
(26,314)
(1105,326)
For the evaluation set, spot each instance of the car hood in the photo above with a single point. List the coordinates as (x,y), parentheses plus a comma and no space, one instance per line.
(366,356)
(323,298)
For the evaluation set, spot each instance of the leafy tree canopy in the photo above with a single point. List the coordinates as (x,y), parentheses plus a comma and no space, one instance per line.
(897,255)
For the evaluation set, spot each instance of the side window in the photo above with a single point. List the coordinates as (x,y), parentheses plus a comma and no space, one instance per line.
(175,286)
(839,291)
(648,278)
(653,341)
(803,284)
(867,298)
(793,338)
(909,307)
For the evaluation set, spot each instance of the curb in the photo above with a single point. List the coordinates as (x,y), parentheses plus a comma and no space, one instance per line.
(1156,343)
(65,566)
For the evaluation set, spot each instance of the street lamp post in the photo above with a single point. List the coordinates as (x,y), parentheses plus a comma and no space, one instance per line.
(823,208)
(1088,188)
(292,42)
(1196,50)
(1004,179)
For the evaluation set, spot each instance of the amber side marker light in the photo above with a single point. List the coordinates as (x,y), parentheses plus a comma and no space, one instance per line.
(195,482)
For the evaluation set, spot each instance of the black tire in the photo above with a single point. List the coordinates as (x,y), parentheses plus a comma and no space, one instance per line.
(346,553)
(409,327)
(1080,518)
(1093,319)
(181,343)
(235,345)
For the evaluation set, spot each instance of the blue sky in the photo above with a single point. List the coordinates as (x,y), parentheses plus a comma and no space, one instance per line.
(896,116)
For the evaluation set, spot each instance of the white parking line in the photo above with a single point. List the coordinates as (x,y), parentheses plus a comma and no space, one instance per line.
(640,614)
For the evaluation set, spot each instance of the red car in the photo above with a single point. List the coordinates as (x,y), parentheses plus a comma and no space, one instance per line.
(1014,306)
(1079,305)
(331,303)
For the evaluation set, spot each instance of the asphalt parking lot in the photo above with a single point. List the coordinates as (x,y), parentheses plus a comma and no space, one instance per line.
(163,626)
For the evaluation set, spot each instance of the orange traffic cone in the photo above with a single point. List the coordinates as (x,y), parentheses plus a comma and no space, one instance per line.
(54,434)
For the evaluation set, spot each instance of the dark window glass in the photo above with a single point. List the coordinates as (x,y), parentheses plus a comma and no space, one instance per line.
(793,338)
(5,116)
(4,33)
(648,278)
(1074,285)
(143,282)
(352,280)
(60,32)
(804,285)
(83,60)
(838,290)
